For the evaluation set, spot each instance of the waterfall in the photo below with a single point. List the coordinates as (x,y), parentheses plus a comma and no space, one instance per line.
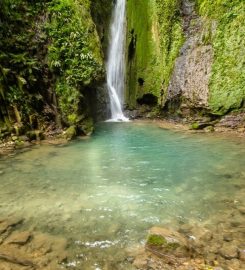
(116,62)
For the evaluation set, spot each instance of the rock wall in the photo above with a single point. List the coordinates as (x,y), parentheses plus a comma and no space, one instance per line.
(191,75)
(208,72)
(154,37)
(187,54)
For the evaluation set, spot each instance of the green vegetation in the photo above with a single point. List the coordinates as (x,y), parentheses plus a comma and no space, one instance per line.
(154,38)
(50,56)
(74,54)
(171,35)
(159,241)
(52,52)
(101,11)
(227,88)
(156,240)
(21,61)
(195,125)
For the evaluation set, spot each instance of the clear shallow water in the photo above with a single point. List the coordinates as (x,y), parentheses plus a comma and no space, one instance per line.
(104,193)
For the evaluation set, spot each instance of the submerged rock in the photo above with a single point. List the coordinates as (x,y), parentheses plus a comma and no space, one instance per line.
(166,241)
(242,255)
(29,250)
(19,238)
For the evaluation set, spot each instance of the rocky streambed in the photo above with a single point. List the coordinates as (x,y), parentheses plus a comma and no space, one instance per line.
(218,246)
(90,204)
(188,246)
(29,249)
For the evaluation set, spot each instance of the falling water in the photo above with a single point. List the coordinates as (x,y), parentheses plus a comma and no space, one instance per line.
(116,63)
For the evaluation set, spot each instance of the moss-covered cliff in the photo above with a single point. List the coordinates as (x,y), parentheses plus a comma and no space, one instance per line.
(51,61)
(227,82)
(187,54)
(154,37)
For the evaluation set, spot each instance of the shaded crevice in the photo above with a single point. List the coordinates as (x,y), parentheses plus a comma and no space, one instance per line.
(141,81)
(132,46)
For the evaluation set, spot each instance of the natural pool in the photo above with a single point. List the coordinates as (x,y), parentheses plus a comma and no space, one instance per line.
(105,192)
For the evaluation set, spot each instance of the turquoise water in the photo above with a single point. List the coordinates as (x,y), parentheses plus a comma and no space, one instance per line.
(105,192)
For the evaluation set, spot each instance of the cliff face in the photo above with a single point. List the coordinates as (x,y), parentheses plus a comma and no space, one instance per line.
(226,85)
(154,37)
(187,54)
(51,64)
(189,83)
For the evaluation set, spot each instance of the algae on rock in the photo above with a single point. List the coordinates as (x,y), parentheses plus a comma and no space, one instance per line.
(154,37)
(227,87)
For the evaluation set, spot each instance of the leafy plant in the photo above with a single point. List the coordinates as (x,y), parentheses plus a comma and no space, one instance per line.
(74,53)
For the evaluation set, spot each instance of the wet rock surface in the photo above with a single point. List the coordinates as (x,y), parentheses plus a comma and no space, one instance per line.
(20,249)
(192,70)
(214,246)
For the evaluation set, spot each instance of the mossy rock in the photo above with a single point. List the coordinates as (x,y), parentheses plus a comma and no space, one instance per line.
(160,241)
(14,138)
(19,144)
(156,240)
(154,38)
(194,126)
(199,126)
(71,133)
(209,129)
(167,241)
(87,126)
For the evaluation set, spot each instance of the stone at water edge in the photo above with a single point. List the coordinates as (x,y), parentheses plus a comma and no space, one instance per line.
(14,138)
(70,133)
(167,241)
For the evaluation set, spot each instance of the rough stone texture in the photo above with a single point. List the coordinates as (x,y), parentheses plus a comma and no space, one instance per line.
(191,75)
(242,255)
(19,238)
(192,70)
(154,37)
(169,235)
(233,121)
(29,250)
(229,251)
(215,244)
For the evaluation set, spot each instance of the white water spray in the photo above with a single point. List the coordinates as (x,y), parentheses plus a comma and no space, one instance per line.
(116,62)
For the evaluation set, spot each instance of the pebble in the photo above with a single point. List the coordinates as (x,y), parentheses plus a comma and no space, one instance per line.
(233,264)
(242,254)
(228,237)
(14,138)
(241,209)
(229,251)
